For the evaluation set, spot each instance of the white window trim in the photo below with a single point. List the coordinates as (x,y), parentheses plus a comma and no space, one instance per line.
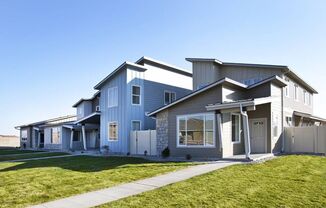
(109,138)
(197,146)
(117,103)
(170,92)
(287,88)
(240,130)
(296,92)
(136,95)
(136,121)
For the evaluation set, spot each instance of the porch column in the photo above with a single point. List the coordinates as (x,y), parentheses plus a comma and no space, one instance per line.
(71,138)
(38,139)
(246,134)
(84,137)
(219,131)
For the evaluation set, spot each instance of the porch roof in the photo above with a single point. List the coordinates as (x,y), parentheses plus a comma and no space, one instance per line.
(310,116)
(239,103)
(93,118)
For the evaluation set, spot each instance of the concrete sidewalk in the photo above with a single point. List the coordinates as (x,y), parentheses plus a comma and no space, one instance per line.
(103,196)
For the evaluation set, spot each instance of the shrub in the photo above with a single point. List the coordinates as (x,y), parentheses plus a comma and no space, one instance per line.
(166,152)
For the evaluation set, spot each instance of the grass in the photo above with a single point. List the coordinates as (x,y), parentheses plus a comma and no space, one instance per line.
(289,181)
(30,155)
(15,151)
(34,182)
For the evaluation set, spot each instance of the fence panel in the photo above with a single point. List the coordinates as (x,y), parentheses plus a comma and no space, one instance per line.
(310,139)
(141,141)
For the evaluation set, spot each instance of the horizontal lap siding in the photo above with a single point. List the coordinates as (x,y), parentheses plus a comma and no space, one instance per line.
(193,105)
(276,109)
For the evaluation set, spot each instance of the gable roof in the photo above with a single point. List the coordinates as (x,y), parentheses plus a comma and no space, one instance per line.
(285,69)
(121,67)
(221,81)
(50,121)
(225,80)
(86,99)
(138,65)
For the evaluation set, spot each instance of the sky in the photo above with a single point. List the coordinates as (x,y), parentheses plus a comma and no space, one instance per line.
(54,52)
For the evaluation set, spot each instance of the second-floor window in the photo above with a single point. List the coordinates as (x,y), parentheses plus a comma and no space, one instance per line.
(287,88)
(296,92)
(112,97)
(135,95)
(305,97)
(169,97)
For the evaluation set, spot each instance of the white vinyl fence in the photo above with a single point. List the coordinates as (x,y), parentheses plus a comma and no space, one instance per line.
(141,141)
(309,139)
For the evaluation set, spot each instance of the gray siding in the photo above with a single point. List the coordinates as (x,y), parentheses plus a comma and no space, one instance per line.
(263,111)
(154,98)
(193,105)
(29,141)
(204,73)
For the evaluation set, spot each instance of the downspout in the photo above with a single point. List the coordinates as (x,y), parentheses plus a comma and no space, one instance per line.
(246,132)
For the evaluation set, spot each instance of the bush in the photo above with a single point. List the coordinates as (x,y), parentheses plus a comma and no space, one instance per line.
(166,152)
(188,156)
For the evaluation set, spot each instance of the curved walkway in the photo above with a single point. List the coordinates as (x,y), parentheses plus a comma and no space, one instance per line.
(103,196)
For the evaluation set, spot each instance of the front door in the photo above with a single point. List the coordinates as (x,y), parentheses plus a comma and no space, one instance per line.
(258,135)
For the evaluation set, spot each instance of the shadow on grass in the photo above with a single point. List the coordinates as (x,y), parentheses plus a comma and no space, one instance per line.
(90,164)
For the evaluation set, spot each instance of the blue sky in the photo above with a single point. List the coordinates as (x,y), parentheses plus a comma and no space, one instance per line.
(53,52)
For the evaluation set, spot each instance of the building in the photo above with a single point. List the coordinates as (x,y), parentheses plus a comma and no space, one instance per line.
(235,108)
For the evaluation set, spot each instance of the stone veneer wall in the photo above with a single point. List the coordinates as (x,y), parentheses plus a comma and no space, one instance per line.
(162,131)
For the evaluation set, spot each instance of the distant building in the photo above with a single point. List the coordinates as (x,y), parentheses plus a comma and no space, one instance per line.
(9,141)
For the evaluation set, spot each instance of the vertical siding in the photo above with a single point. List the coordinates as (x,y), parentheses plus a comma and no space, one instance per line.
(204,73)
(240,73)
(118,114)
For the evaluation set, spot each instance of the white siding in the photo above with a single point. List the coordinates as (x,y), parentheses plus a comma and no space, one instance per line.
(276,112)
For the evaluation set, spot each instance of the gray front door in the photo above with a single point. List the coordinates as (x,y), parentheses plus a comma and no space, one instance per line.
(258,135)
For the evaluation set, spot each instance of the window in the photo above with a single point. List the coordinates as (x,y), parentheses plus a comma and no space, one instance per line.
(236,128)
(288,120)
(135,125)
(196,130)
(296,92)
(79,110)
(305,97)
(135,95)
(310,98)
(24,135)
(112,97)
(287,88)
(55,137)
(113,131)
(169,97)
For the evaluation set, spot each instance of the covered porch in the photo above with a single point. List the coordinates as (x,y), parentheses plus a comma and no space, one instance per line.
(85,133)
(244,128)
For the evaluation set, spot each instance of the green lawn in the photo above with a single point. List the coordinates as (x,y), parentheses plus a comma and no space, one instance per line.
(30,155)
(15,151)
(34,182)
(288,181)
